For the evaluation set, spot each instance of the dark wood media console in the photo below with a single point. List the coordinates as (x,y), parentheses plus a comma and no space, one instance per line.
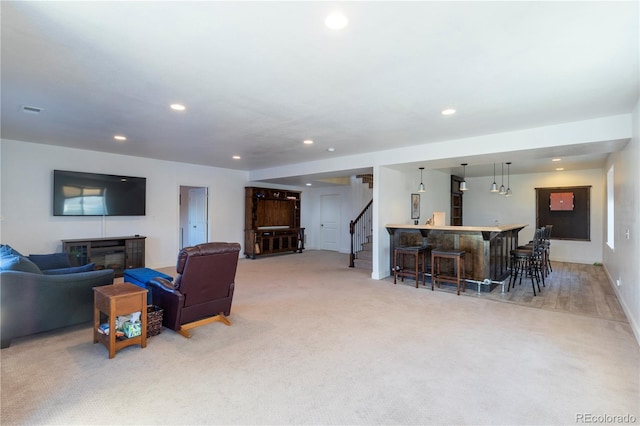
(272,222)
(117,253)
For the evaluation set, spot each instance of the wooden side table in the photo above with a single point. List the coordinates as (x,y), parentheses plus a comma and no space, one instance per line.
(114,300)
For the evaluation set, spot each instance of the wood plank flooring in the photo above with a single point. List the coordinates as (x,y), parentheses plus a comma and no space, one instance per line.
(572,287)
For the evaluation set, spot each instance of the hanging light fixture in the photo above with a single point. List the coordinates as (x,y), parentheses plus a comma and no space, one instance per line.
(508,193)
(421,187)
(494,186)
(502,190)
(463,184)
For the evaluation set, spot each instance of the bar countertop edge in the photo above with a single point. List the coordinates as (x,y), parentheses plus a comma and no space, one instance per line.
(499,228)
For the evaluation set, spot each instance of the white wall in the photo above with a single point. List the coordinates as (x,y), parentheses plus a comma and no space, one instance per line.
(483,208)
(437,197)
(26,200)
(392,205)
(391,197)
(353,198)
(361,194)
(621,262)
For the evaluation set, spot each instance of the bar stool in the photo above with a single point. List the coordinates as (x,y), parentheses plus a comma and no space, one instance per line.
(419,255)
(437,277)
(547,248)
(528,260)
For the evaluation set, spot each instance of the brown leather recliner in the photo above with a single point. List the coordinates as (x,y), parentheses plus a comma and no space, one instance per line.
(202,290)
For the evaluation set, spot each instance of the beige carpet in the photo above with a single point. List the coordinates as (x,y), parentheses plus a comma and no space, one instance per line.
(315,342)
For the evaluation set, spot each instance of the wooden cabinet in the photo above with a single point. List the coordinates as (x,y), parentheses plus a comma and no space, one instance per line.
(272,222)
(117,253)
(456,201)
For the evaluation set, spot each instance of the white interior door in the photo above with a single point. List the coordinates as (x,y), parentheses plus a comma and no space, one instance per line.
(330,222)
(197,216)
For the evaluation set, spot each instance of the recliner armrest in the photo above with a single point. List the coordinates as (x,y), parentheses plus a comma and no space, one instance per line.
(162,283)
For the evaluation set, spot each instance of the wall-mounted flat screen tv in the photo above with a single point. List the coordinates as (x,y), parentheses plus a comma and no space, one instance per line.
(93,194)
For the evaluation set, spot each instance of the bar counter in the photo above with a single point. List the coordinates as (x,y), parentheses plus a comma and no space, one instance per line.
(487,248)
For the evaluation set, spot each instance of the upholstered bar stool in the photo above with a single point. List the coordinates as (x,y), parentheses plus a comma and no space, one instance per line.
(458,268)
(419,256)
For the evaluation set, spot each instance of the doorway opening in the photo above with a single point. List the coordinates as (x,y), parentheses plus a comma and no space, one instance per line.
(194,224)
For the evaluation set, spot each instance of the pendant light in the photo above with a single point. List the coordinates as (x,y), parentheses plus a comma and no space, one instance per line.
(463,184)
(502,190)
(494,186)
(421,187)
(508,193)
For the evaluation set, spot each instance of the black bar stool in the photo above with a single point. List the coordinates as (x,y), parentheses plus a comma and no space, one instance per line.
(419,255)
(528,260)
(458,269)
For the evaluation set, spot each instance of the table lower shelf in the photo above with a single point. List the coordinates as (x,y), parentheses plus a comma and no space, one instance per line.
(119,343)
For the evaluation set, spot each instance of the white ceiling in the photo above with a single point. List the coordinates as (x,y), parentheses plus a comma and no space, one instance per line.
(258,78)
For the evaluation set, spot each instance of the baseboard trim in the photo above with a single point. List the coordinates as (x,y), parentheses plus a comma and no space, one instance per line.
(635,327)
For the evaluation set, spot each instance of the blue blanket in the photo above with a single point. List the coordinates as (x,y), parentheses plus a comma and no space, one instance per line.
(140,276)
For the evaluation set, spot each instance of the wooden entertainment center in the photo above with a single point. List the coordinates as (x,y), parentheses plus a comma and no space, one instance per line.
(272,222)
(117,253)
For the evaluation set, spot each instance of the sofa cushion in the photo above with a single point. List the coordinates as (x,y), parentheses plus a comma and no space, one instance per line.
(50,261)
(71,270)
(7,249)
(18,263)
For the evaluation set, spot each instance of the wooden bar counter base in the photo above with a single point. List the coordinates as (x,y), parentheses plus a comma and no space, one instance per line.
(487,248)
(114,300)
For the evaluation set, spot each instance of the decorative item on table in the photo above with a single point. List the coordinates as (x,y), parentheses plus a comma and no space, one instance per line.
(132,329)
(129,325)
(104,329)
(439,218)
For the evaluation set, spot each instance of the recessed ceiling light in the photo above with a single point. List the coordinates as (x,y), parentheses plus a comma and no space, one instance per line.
(308,184)
(236,157)
(120,138)
(556,159)
(307,142)
(448,111)
(178,107)
(31,109)
(331,149)
(559,169)
(336,21)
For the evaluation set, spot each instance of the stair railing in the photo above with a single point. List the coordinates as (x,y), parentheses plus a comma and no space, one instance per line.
(359,232)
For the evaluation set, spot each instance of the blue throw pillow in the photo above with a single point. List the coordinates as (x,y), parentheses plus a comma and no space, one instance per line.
(18,263)
(50,261)
(6,249)
(71,270)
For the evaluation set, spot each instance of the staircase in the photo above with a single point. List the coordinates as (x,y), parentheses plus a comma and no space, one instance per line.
(361,245)
(361,229)
(368,179)
(364,258)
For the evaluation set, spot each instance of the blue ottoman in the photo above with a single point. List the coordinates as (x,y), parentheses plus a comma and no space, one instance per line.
(140,277)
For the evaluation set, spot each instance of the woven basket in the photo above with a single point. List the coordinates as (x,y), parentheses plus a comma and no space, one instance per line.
(154,320)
